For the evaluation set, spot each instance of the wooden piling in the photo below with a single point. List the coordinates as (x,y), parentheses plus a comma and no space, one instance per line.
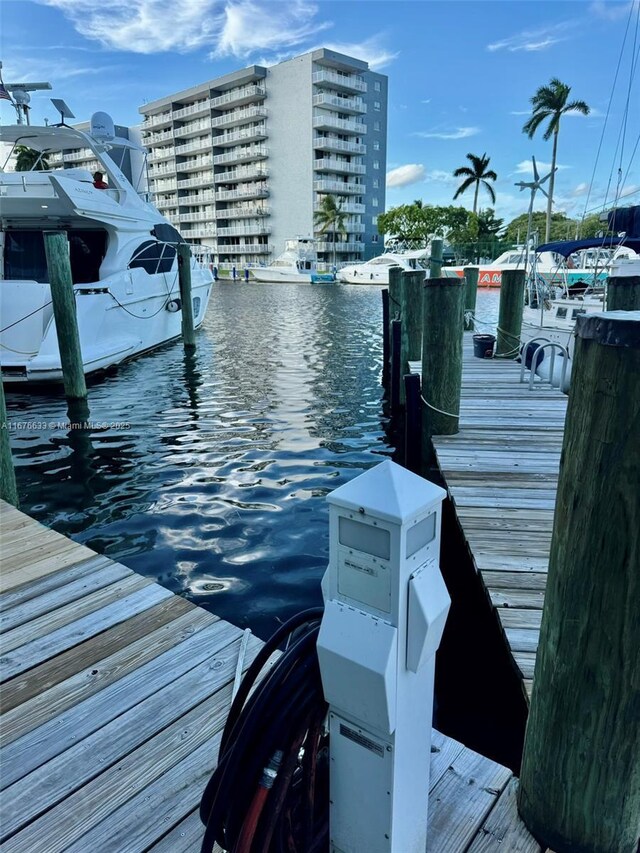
(580,780)
(442,314)
(395,298)
(510,314)
(184,274)
(386,330)
(396,364)
(412,423)
(411,312)
(435,266)
(470,296)
(56,245)
(8,488)
(623,293)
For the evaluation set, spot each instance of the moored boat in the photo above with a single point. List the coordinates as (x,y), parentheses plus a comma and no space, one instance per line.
(376,271)
(298,264)
(123,256)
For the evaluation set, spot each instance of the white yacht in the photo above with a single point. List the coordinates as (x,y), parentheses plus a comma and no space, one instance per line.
(376,271)
(123,260)
(298,264)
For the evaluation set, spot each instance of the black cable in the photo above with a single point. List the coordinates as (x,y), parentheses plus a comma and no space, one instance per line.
(284,714)
(26,317)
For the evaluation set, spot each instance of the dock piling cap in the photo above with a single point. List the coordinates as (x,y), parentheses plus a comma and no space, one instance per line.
(610,328)
(389,492)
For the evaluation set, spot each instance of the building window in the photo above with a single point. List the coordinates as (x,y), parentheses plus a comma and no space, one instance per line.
(376,106)
(376,145)
(374,220)
(376,125)
(376,183)
(374,202)
(376,85)
(374,239)
(376,164)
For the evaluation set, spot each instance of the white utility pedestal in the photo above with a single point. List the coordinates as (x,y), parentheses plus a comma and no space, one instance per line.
(386,605)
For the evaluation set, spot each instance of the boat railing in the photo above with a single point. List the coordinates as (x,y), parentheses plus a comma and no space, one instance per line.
(536,360)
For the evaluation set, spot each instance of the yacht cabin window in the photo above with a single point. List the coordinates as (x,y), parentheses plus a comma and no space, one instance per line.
(25,260)
(153,257)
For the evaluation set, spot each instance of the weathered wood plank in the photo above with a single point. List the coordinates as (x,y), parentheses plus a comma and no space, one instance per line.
(460,802)
(24,687)
(186,837)
(42,585)
(27,656)
(503,831)
(100,674)
(63,732)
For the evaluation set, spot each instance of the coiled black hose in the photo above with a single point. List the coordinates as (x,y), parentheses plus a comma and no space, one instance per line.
(269,792)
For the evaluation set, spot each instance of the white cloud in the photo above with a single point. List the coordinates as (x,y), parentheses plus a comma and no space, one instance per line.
(371,50)
(525,167)
(520,112)
(612,11)
(580,189)
(439,176)
(426,101)
(458,133)
(402,176)
(531,40)
(236,27)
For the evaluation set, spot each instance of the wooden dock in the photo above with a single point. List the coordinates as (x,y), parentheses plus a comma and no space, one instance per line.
(501,471)
(114,695)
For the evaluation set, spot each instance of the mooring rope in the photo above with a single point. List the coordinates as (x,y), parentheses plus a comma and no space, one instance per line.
(436,409)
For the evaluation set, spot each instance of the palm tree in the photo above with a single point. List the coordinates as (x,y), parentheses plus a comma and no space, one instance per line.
(477,174)
(27,159)
(552,102)
(330,217)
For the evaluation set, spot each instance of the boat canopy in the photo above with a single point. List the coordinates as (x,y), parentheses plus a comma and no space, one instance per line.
(568,247)
(56,138)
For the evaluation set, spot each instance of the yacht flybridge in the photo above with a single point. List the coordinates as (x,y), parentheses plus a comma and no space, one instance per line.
(122,251)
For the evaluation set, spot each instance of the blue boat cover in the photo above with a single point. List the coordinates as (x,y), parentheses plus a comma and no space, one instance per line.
(568,247)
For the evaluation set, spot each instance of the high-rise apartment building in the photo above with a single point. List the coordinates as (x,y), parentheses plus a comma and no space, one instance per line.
(129,160)
(241,162)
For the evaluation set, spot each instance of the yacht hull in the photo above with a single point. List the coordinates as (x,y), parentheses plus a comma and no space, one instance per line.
(117,320)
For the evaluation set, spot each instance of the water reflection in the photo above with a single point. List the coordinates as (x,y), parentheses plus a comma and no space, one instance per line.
(208,470)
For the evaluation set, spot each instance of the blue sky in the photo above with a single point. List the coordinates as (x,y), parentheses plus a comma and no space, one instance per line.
(461,75)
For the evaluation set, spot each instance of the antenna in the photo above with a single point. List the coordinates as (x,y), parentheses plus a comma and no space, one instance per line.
(21,97)
(64,111)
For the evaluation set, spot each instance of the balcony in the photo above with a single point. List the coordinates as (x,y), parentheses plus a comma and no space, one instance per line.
(157,171)
(203,144)
(247,134)
(76,156)
(193,165)
(166,203)
(163,185)
(202,216)
(342,82)
(247,249)
(247,231)
(348,207)
(200,108)
(199,181)
(234,175)
(157,121)
(238,117)
(340,247)
(190,233)
(329,143)
(339,187)
(242,212)
(197,198)
(344,105)
(332,164)
(241,155)
(162,154)
(156,138)
(193,128)
(241,96)
(329,122)
(256,191)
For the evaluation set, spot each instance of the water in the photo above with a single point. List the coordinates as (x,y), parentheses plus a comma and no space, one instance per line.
(216,485)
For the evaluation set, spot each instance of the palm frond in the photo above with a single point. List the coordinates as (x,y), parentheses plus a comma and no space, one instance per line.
(463,171)
(490,190)
(491,175)
(532,124)
(578,107)
(464,186)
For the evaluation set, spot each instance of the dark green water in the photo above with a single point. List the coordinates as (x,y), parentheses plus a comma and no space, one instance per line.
(217,485)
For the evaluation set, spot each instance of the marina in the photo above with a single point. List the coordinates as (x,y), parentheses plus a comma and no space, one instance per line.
(115,691)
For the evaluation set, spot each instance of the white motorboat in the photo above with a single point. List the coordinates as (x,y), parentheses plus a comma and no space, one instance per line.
(376,271)
(298,264)
(123,261)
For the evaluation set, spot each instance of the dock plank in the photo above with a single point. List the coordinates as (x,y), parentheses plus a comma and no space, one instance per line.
(111,724)
(501,471)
